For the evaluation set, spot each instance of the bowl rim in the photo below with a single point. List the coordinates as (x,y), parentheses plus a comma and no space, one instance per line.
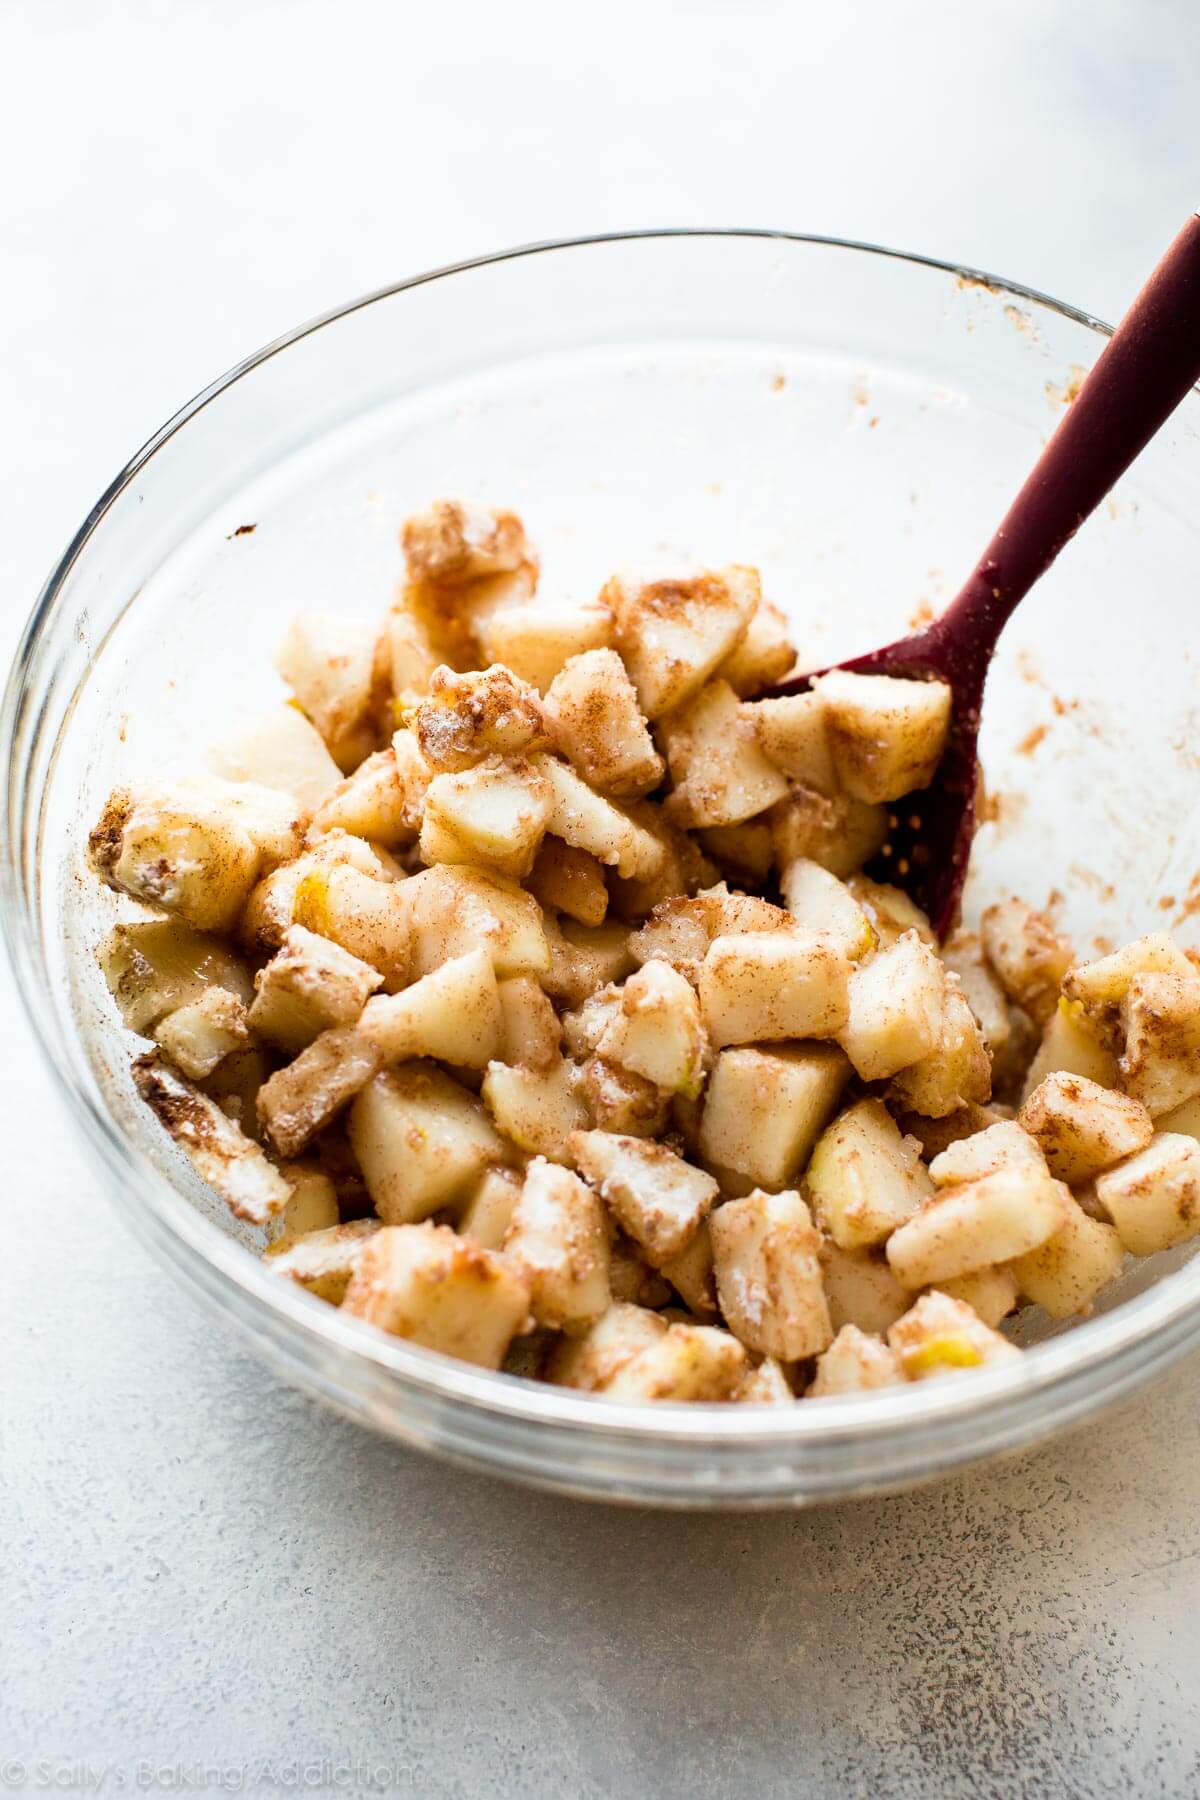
(1154,1316)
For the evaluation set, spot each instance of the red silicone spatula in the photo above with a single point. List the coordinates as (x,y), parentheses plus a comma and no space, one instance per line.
(1147,367)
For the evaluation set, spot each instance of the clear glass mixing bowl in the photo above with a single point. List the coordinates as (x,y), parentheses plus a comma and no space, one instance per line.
(852,421)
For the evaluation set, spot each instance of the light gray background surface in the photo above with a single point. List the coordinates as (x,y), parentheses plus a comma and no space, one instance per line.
(203,1575)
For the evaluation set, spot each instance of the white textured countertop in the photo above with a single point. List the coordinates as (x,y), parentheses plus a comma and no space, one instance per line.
(205,1577)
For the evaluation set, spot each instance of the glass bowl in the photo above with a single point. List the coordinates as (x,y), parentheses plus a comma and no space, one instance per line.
(851,420)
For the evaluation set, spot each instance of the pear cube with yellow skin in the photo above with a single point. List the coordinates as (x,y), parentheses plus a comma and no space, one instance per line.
(369,918)
(957,1072)
(818,901)
(767,1266)
(764,1109)
(658,1032)
(432,1287)
(1070,1046)
(941,1336)
(1099,987)
(865,1177)
(897,1009)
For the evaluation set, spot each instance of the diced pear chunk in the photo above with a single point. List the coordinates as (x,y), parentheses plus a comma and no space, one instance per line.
(175,846)
(838,832)
(861,1288)
(630,1276)
(271,907)
(590,822)
(1070,1047)
(1160,1065)
(1153,1198)
(690,1273)
(820,902)
(281,750)
(897,1009)
(887,734)
(371,919)
(674,634)
(219,1151)
(1184,1119)
(466,718)
(1065,1274)
(1029,957)
(865,1179)
(620,1100)
(684,867)
(1100,987)
(989,1220)
(854,1363)
(538,1109)
(300,1100)
(530,1032)
(680,930)
(312,1204)
(536,639)
(940,1336)
(310,984)
(746,850)
(591,1362)
(201,1034)
(323,1261)
(756,987)
(156,966)
(1082,1128)
(328,661)
(421,1140)
(488,1213)
(718,769)
(766,1260)
(794,733)
(658,1032)
(455,910)
(558,1241)
(426,1284)
(593,716)
(963,956)
(568,880)
(455,541)
(891,911)
(765,1109)
(688,1362)
(382,800)
(1005,1145)
(583,959)
(452,1014)
(958,1070)
(765,1386)
(493,814)
(658,1197)
(992,1293)
(764,655)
